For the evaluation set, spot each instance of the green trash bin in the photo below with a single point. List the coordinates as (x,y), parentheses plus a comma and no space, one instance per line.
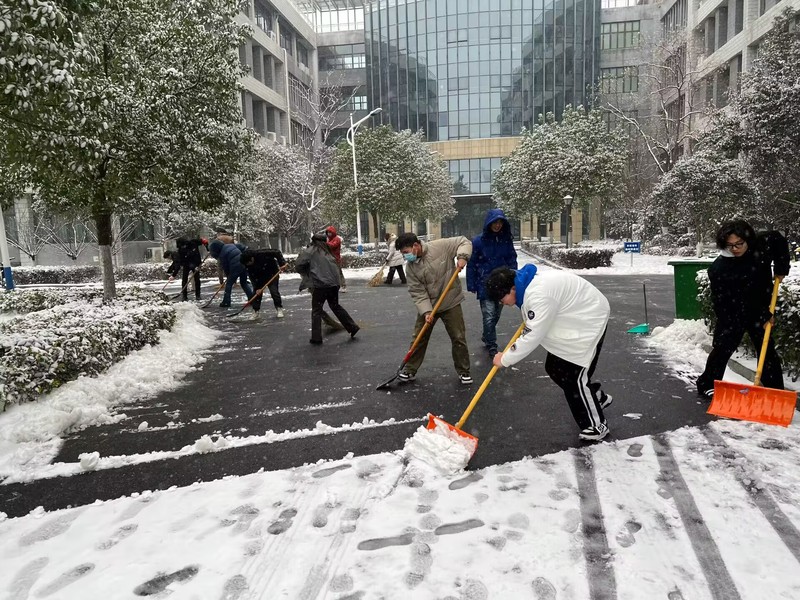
(686,304)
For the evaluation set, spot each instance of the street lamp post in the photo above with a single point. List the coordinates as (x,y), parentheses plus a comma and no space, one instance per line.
(568,204)
(351,139)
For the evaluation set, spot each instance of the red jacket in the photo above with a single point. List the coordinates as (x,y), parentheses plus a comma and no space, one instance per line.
(335,244)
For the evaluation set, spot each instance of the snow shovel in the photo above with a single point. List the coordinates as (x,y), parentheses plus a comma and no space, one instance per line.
(753,402)
(422,331)
(219,289)
(470,441)
(259,292)
(643,328)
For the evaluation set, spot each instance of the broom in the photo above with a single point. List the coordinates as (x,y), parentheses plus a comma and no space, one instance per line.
(377,279)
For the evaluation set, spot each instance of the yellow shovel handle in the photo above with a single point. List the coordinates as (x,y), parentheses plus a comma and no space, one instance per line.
(486,381)
(767,331)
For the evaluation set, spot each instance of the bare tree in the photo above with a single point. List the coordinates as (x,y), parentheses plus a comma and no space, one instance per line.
(320,113)
(70,234)
(29,234)
(665,111)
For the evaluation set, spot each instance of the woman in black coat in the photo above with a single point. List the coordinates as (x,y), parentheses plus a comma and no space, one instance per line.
(741,291)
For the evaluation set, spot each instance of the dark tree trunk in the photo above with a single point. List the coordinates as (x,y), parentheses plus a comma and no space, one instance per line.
(102,221)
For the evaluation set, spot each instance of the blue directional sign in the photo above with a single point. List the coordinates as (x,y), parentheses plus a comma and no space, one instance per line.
(633,247)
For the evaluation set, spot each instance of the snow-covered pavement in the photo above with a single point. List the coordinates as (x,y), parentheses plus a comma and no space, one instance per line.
(693,514)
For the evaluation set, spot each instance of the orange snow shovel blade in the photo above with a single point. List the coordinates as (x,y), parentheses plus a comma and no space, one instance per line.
(454,432)
(754,402)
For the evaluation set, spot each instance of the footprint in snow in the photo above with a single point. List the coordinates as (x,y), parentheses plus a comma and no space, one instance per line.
(51,529)
(480,497)
(625,537)
(635,450)
(245,515)
(543,589)
(341,583)
(330,471)
(474,590)
(161,582)
(498,542)
(421,561)
(519,521)
(349,518)
(367,468)
(465,481)
(426,500)
(138,506)
(65,579)
(558,494)
(460,527)
(429,522)
(25,578)
(321,513)
(283,522)
(119,535)
(234,588)
(572,520)
(379,543)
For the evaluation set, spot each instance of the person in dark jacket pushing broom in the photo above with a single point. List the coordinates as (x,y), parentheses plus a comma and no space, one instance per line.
(741,291)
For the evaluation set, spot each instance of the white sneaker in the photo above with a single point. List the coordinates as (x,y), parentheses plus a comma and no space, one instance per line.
(256,315)
(406,376)
(607,402)
(594,434)
(465,379)
(281,314)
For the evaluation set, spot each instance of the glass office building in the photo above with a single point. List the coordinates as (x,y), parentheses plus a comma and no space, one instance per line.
(471,69)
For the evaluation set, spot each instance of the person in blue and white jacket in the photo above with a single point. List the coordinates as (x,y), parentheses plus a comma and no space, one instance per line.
(567,316)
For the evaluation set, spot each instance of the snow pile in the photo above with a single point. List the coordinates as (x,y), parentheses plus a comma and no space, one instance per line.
(89,460)
(29,433)
(206,444)
(440,447)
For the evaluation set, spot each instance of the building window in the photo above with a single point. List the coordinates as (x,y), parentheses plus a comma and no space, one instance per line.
(618,3)
(302,55)
(619,80)
(286,40)
(263,17)
(675,18)
(357,103)
(614,36)
(351,19)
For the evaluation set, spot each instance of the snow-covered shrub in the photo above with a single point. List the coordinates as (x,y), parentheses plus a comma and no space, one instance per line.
(92,274)
(62,274)
(572,258)
(786,332)
(66,335)
(349,260)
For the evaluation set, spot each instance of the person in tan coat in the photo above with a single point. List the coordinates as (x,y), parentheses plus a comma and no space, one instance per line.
(429,267)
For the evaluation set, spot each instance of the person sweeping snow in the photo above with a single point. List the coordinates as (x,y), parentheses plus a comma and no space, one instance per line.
(567,316)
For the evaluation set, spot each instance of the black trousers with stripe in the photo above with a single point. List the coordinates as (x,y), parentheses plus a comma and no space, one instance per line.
(583,395)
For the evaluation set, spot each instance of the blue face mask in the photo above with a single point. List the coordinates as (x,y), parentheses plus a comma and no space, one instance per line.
(410,257)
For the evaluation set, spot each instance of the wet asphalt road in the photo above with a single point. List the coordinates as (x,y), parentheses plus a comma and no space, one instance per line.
(266,376)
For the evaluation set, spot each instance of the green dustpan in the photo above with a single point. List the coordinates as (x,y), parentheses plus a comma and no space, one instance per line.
(643,328)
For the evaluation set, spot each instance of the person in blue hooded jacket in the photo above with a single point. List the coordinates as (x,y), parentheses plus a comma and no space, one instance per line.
(567,316)
(492,249)
(229,258)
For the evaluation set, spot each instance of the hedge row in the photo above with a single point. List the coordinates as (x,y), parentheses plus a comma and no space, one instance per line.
(786,332)
(572,258)
(157,271)
(67,334)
